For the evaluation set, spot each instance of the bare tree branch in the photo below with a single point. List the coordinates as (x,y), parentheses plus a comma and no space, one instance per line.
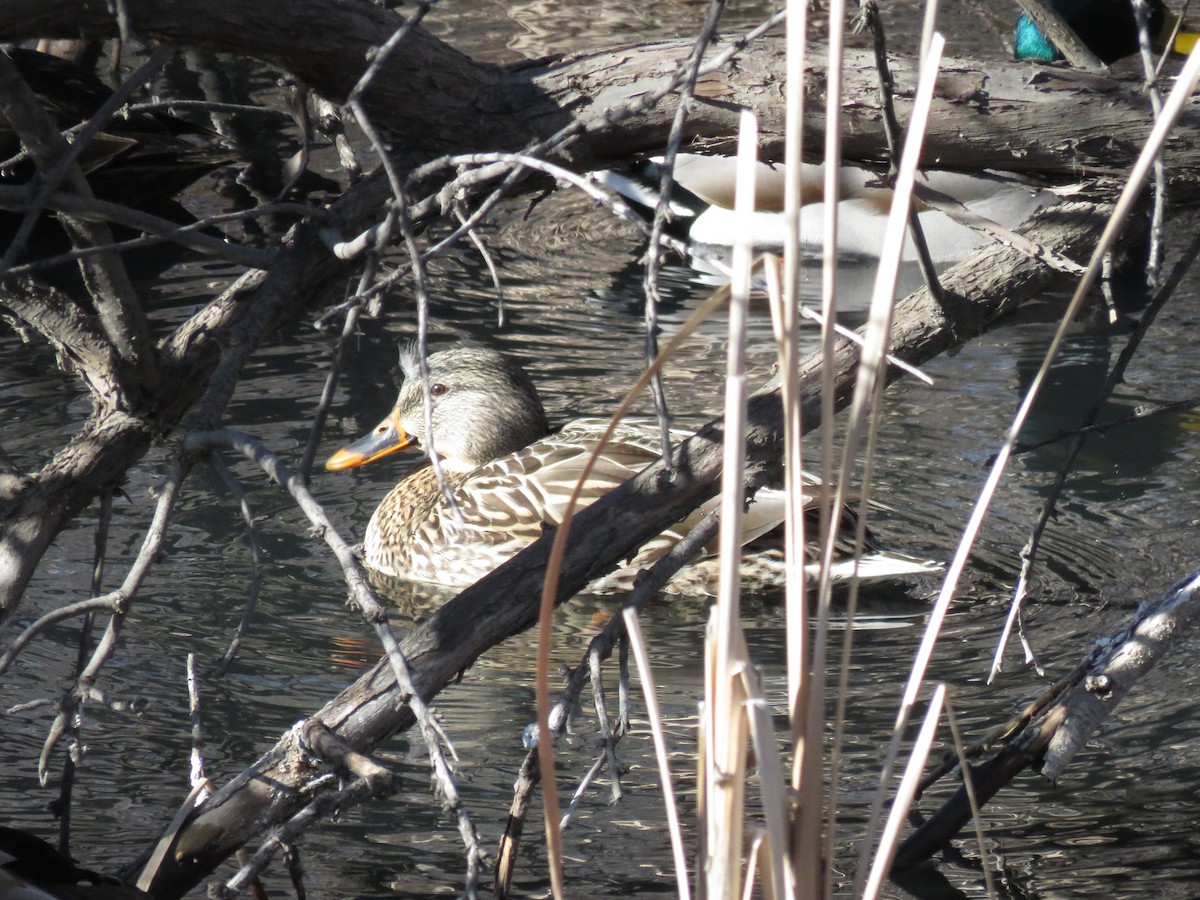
(116,303)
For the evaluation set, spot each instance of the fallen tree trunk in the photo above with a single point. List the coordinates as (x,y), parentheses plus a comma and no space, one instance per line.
(435,100)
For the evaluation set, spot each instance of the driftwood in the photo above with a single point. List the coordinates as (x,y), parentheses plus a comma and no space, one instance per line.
(435,100)
(1074,708)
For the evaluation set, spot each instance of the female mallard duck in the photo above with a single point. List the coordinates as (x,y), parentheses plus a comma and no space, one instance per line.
(1106,27)
(508,474)
(702,205)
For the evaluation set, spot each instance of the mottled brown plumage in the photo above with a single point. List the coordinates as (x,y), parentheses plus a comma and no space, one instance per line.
(507,476)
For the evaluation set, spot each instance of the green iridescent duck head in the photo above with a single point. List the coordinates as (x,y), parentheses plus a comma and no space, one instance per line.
(1107,27)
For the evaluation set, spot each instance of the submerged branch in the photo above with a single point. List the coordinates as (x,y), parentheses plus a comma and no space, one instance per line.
(1084,700)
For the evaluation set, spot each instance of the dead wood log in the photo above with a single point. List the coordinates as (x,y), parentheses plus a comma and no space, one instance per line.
(975,295)
(435,100)
(1050,741)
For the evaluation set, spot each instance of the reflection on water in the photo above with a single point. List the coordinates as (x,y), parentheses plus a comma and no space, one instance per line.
(1116,463)
(1125,813)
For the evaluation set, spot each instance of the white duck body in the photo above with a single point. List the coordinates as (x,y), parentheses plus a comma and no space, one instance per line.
(862,208)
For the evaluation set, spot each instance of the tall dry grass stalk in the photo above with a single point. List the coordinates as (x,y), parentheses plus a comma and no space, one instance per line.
(641,655)
(790,853)
(724,719)
(898,814)
(792,858)
(869,384)
(805,818)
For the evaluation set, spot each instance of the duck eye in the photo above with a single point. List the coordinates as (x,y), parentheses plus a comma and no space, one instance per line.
(436,390)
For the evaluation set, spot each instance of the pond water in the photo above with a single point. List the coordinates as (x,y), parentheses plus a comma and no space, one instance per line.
(1122,823)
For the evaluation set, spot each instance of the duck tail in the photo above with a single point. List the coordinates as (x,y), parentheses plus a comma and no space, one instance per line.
(880,565)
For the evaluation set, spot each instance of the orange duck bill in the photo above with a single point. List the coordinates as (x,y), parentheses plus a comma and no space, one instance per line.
(385,438)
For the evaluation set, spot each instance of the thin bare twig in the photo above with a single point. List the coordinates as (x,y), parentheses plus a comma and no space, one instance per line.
(175,106)
(783,289)
(489,261)
(654,251)
(121,601)
(420,282)
(111,602)
(295,870)
(254,588)
(373,611)
(1142,412)
(869,16)
(349,329)
(584,783)
(65,788)
(972,798)
(1141,13)
(609,748)
(866,395)
(158,230)
(380,54)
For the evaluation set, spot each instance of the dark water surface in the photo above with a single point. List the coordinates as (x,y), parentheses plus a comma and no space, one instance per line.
(1124,822)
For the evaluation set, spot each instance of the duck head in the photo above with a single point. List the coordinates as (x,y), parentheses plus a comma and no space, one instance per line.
(484,407)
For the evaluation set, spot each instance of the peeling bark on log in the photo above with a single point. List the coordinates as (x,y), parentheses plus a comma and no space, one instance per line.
(1124,657)
(436,100)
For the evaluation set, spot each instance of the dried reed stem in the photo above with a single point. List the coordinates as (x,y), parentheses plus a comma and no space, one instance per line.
(870,369)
